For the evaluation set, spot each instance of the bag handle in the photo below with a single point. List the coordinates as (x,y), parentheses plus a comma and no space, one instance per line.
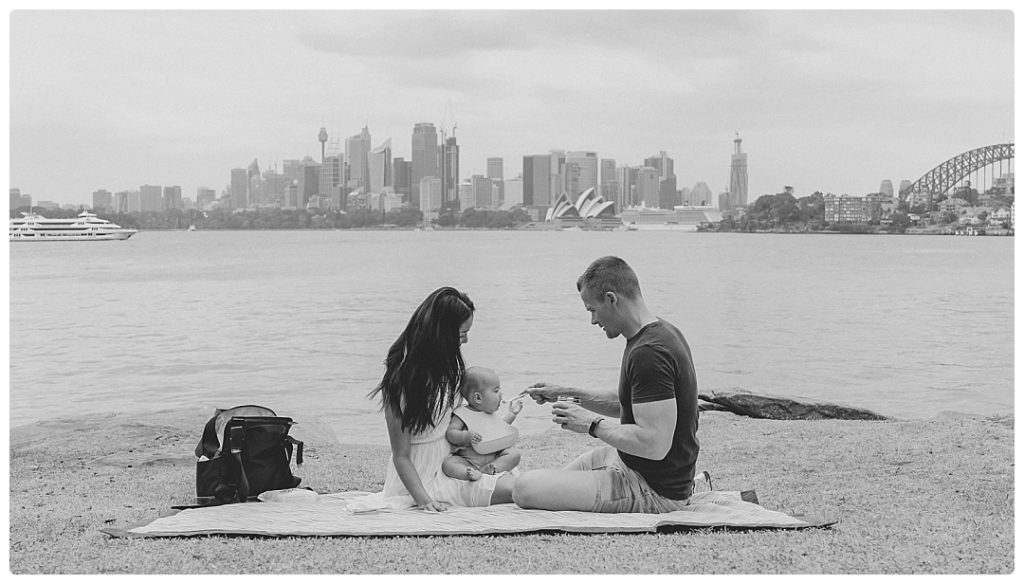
(289,441)
(237,440)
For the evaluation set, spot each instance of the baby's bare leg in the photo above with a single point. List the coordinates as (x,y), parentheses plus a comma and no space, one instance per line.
(507,460)
(457,467)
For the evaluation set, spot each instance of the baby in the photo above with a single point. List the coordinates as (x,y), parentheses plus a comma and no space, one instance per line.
(480,437)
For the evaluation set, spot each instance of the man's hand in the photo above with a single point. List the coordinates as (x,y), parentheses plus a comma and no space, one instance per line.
(545,392)
(572,417)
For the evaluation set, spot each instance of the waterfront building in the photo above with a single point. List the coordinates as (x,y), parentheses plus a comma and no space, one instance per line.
(172,198)
(238,189)
(496,172)
(483,188)
(151,198)
(844,208)
(330,174)
(886,188)
(664,164)
(379,167)
(290,169)
(556,180)
(19,200)
(101,199)
(450,169)
(700,196)
(648,187)
(308,183)
(357,152)
(738,175)
(205,197)
(513,193)
(586,171)
(424,155)
(536,181)
(133,202)
(431,195)
(466,196)
(627,177)
(402,173)
(905,185)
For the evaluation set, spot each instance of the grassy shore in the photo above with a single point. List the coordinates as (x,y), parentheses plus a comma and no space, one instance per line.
(913,497)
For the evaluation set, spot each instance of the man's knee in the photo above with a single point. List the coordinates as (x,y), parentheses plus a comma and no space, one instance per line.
(528,489)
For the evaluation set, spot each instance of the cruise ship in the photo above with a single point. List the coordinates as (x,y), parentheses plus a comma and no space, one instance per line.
(85,227)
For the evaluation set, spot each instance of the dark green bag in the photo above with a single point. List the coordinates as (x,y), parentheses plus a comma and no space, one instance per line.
(245,451)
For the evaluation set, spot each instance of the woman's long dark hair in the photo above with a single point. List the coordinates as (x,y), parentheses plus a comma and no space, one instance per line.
(424,366)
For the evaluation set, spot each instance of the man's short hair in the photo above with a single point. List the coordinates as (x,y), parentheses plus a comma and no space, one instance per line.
(609,274)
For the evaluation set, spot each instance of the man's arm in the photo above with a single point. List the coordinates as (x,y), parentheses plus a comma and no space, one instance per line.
(650,437)
(604,403)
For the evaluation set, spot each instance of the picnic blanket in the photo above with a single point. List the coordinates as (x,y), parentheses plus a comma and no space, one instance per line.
(331,515)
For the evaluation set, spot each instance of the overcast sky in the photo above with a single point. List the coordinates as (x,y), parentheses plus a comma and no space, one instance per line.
(830,101)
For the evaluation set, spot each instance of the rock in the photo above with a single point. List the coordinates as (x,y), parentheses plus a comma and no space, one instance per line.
(780,408)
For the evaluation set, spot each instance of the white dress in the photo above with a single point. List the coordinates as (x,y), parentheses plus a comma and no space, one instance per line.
(427,450)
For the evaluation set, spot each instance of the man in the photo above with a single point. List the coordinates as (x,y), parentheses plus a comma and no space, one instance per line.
(649,426)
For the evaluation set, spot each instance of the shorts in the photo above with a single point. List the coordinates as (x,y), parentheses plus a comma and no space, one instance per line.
(621,489)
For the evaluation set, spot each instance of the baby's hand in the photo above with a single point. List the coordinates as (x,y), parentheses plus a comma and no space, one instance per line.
(475,437)
(515,406)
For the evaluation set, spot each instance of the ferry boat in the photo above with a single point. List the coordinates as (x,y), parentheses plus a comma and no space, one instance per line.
(86,227)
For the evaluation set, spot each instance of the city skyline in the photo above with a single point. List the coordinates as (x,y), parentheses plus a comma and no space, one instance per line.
(823,100)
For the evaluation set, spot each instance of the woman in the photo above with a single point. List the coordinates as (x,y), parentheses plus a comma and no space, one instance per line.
(424,368)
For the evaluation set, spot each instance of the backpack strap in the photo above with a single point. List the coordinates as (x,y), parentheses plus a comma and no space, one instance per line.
(237,442)
(289,441)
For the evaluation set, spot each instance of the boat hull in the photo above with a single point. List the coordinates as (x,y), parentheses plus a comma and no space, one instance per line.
(72,236)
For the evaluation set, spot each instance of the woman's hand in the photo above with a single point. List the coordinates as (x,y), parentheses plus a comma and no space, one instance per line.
(433,506)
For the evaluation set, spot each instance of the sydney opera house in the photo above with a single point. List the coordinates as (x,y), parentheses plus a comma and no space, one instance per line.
(590,211)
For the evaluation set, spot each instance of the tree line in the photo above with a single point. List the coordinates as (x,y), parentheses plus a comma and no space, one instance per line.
(296,218)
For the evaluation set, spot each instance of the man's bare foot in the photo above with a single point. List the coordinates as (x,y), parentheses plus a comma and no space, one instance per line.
(472,474)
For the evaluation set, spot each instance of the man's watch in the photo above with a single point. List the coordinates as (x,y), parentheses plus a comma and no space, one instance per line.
(593,426)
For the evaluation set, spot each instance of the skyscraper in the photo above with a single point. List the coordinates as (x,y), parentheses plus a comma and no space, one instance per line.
(101,199)
(379,164)
(151,198)
(449,159)
(587,164)
(357,150)
(886,188)
(330,175)
(664,164)
(400,173)
(648,187)
(627,187)
(496,172)
(738,175)
(172,198)
(700,196)
(424,155)
(537,180)
(309,181)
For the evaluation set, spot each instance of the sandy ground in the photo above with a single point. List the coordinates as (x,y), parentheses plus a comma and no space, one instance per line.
(913,497)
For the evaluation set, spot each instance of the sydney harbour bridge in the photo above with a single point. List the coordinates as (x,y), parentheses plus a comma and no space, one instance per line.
(978,167)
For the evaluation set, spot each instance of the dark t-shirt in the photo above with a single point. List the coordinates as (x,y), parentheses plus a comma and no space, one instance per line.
(656,365)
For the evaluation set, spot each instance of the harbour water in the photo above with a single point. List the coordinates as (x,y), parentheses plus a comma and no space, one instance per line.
(300,321)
